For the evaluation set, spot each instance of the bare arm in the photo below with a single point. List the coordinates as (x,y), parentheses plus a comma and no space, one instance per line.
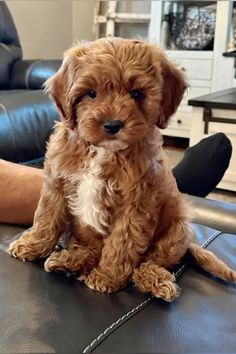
(20,188)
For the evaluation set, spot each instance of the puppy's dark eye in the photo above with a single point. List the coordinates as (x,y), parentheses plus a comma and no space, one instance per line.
(135,94)
(92,94)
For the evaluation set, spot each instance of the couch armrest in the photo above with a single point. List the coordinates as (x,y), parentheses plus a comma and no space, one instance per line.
(31,74)
(27,118)
(216,214)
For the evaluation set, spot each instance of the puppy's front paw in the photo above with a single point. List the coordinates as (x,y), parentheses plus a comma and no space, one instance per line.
(28,247)
(100,282)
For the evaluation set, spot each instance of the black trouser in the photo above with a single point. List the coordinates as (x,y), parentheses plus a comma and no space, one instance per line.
(203,165)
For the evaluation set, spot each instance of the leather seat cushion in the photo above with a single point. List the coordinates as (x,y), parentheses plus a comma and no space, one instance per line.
(43,312)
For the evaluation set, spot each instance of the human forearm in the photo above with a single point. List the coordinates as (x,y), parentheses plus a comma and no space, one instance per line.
(20,188)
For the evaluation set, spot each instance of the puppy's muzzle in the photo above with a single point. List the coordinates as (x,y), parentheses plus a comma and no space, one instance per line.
(112,126)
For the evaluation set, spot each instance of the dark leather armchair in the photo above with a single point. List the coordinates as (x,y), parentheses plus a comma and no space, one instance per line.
(26,113)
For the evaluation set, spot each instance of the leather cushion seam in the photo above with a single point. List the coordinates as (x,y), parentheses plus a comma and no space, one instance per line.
(29,72)
(12,130)
(102,336)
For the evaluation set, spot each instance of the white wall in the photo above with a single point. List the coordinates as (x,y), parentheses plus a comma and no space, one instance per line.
(83,11)
(47,28)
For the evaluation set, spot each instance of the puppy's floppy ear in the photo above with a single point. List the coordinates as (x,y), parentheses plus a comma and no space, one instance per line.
(59,85)
(174,86)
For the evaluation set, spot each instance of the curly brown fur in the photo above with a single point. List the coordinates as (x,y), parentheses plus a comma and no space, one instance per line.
(117,191)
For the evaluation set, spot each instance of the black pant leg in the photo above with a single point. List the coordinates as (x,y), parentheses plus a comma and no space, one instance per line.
(203,165)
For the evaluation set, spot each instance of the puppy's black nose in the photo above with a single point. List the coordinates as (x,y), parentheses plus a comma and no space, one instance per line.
(112,126)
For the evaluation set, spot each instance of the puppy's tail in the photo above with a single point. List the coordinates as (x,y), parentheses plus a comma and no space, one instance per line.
(209,262)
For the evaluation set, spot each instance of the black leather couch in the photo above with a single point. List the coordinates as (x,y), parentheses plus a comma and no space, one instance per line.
(43,312)
(26,113)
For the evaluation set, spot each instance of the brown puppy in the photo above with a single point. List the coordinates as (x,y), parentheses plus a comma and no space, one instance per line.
(106,175)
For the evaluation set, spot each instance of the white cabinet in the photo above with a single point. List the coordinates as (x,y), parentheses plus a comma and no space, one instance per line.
(198,69)
(206,71)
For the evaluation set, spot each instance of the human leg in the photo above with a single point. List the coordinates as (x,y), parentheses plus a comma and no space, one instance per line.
(203,165)
(20,188)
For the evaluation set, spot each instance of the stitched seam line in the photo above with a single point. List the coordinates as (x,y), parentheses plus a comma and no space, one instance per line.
(212,238)
(116,324)
(138,308)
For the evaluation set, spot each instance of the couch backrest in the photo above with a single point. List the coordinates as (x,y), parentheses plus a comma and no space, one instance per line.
(10,48)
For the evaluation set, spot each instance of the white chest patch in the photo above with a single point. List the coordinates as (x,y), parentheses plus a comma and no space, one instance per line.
(86,203)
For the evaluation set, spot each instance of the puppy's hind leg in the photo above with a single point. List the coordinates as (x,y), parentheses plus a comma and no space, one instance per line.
(76,259)
(151,278)
(166,251)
